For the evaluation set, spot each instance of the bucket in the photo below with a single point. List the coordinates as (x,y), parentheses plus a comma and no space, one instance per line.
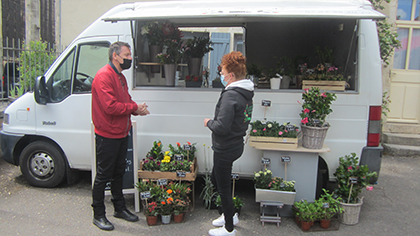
(275,83)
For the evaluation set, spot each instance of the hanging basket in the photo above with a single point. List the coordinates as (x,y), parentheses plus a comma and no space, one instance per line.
(351,213)
(313,137)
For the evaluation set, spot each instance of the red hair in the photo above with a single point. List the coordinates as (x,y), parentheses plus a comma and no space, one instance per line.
(235,63)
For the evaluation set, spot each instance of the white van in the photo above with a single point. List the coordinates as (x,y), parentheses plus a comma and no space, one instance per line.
(48,132)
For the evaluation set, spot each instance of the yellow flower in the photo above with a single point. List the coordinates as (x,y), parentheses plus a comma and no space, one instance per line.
(166,153)
(269,125)
(167,158)
(257,175)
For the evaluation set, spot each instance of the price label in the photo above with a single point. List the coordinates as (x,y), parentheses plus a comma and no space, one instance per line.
(290,127)
(286,159)
(187,147)
(145,195)
(181,174)
(235,176)
(316,121)
(326,205)
(179,157)
(266,103)
(162,181)
(353,180)
(265,161)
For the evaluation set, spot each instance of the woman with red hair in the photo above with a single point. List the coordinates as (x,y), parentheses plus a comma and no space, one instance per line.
(231,120)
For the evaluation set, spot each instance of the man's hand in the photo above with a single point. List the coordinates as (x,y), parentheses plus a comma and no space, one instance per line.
(142,110)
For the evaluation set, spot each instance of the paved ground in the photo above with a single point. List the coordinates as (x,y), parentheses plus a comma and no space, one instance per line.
(390,209)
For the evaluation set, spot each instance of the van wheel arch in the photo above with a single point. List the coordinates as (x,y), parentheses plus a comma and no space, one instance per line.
(323,177)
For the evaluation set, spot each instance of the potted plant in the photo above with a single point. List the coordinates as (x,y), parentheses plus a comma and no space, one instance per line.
(151,212)
(286,70)
(328,207)
(270,134)
(193,81)
(269,188)
(306,213)
(351,179)
(238,203)
(195,49)
(315,108)
(165,204)
(254,72)
(179,207)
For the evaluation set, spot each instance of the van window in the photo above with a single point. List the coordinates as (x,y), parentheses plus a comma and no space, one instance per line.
(61,79)
(224,39)
(91,58)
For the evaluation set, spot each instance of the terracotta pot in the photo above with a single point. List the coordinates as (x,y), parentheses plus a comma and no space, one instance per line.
(151,220)
(306,225)
(178,218)
(325,224)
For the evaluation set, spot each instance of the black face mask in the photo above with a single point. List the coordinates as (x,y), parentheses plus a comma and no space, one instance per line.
(126,64)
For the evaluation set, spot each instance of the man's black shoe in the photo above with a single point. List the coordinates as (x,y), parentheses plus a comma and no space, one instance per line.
(103,223)
(126,215)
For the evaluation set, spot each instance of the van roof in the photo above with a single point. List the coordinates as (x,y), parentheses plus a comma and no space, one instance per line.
(241,11)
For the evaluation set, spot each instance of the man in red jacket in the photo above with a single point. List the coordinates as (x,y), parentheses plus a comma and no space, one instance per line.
(112,108)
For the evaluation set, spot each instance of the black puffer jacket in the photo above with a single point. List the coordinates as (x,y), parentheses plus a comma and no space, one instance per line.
(232,116)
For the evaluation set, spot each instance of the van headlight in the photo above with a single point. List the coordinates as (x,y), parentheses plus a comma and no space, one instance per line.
(6,119)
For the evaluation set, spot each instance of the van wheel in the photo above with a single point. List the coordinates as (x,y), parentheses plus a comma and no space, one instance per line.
(42,164)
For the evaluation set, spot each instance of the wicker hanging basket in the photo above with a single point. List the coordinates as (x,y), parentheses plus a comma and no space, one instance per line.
(313,137)
(351,213)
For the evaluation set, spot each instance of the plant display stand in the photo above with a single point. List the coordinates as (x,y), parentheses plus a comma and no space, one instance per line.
(275,219)
(303,168)
(324,85)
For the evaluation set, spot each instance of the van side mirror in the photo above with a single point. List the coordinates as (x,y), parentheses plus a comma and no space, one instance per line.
(41,93)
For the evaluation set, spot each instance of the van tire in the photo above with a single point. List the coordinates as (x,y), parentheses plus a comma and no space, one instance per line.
(42,164)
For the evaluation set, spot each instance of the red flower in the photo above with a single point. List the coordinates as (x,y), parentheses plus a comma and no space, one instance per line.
(189,143)
(178,144)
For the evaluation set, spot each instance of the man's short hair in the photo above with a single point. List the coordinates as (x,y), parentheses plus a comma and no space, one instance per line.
(116,47)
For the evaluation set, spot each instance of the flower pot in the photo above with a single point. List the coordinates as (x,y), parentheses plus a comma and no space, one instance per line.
(166,219)
(194,66)
(151,220)
(170,71)
(275,83)
(273,195)
(178,217)
(153,51)
(325,223)
(351,213)
(273,143)
(285,82)
(313,137)
(306,225)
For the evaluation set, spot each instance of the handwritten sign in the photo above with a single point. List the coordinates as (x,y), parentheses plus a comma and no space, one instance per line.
(181,174)
(290,127)
(265,161)
(145,195)
(353,180)
(179,157)
(235,176)
(266,103)
(286,159)
(162,181)
(187,147)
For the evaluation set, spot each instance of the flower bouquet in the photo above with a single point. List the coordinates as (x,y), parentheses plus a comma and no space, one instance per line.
(270,135)
(269,188)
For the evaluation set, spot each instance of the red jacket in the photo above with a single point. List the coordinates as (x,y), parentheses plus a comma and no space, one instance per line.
(111,104)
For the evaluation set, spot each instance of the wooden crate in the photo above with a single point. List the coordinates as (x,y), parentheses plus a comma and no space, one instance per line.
(324,85)
(272,143)
(153,175)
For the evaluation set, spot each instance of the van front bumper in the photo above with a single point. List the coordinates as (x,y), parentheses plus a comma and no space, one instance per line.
(8,144)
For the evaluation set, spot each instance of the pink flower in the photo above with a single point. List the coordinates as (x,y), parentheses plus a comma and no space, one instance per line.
(280,133)
(313,111)
(304,120)
(306,90)
(254,130)
(323,95)
(306,110)
(264,129)
(369,188)
(349,168)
